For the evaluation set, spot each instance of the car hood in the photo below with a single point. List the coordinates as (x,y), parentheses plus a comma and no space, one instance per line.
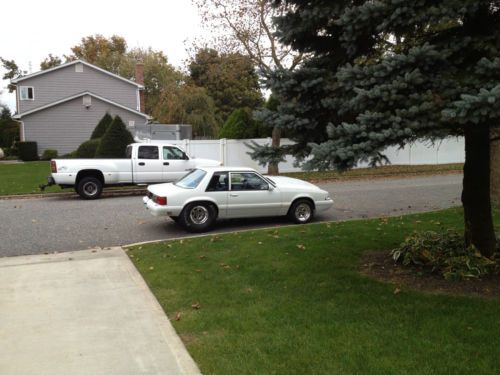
(290,183)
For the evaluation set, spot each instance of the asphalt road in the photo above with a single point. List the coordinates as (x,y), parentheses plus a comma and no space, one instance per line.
(33,226)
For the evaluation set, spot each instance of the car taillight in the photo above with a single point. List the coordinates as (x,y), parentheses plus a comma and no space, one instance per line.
(162,201)
(53,166)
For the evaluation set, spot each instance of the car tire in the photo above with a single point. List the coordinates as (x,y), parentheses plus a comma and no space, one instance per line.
(301,211)
(198,216)
(89,188)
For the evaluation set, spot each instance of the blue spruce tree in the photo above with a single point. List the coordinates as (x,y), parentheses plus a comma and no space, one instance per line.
(389,72)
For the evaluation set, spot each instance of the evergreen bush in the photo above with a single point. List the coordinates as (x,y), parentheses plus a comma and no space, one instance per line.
(87,149)
(49,154)
(115,141)
(102,126)
(241,125)
(28,151)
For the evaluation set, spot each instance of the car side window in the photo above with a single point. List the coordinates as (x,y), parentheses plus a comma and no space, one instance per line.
(173,153)
(148,152)
(247,181)
(218,182)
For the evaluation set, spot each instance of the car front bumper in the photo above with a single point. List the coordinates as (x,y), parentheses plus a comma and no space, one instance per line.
(323,205)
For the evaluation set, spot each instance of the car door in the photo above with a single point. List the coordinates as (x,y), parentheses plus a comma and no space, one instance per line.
(147,165)
(250,195)
(176,163)
(218,189)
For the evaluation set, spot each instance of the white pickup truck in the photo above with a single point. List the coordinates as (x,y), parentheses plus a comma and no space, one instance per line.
(145,163)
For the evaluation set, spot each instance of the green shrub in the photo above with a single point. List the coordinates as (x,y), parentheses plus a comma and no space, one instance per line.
(102,126)
(445,254)
(87,149)
(241,125)
(28,151)
(9,133)
(115,140)
(49,154)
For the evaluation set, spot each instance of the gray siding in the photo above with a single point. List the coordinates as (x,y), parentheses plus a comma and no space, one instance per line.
(65,82)
(64,127)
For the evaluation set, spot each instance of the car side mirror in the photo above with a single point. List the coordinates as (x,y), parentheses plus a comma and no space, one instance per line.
(271,187)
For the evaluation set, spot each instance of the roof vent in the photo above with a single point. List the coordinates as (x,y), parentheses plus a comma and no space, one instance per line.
(78,67)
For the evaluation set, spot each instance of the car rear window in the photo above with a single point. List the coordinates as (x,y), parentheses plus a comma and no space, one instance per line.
(192,179)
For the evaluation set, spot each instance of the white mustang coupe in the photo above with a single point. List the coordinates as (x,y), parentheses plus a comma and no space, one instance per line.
(205,194)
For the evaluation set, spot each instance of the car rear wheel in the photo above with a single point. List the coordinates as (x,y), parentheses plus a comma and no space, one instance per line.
(301,212)
(198,216)
(89,188)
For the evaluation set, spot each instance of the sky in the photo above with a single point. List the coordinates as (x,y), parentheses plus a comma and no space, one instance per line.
(32,29)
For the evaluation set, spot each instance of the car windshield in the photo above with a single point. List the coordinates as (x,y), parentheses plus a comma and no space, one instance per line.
(192,179)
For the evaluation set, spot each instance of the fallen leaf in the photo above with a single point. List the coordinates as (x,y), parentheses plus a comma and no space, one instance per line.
(178,316)
(397,291)
(196,306)
(151,268)
(301,247)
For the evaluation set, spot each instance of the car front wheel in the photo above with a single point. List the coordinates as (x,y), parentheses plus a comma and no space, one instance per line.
(198,216)
(301,212)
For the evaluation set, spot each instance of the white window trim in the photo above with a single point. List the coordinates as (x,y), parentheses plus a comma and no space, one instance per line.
(138,98)
(27,87)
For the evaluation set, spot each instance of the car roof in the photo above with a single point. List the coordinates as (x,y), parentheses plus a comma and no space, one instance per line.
(227,169)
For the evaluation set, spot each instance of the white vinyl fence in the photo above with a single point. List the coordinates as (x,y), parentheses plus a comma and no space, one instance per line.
(233,152)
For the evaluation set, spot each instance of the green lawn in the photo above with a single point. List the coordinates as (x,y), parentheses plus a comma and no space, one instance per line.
(383,171)
(24,178)
(291,301)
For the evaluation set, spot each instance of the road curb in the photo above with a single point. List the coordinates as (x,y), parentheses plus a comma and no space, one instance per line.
(105,194)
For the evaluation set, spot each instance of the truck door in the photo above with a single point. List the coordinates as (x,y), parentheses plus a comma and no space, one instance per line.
(148,166)
(175,163)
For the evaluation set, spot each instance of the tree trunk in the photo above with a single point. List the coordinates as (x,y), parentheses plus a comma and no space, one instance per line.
(272,168)
(479,230)
(495,167)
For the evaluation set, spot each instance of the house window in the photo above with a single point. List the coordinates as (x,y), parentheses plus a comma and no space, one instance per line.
(87,101)
(27,93)
(79,67)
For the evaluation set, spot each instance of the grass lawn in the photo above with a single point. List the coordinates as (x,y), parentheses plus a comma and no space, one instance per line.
(291,301)
(24,178)
(383,171)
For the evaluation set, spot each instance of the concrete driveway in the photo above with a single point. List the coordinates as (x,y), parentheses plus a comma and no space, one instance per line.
(85,312)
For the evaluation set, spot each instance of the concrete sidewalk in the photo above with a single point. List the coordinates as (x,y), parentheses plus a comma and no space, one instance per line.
(84,312)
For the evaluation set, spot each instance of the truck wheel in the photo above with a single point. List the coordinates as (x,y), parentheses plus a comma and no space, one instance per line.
(301,212)
(198,216)
(89,188)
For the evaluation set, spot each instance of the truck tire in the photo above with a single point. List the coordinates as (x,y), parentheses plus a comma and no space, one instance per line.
(198,216)
(89,188)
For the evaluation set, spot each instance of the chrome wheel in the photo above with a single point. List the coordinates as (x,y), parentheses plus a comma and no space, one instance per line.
(90,189)
(199,215)
(303,212)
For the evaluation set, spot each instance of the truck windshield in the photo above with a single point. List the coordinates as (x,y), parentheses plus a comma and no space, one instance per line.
(192,179)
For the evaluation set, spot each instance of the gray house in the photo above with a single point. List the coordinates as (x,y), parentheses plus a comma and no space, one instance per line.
(59,108)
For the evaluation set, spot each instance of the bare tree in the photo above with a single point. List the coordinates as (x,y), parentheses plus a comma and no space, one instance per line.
(246,26)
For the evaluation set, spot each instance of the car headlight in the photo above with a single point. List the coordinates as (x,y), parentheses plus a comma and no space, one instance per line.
(327,198)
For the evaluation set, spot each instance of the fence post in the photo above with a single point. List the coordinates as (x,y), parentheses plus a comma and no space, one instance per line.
(222,151)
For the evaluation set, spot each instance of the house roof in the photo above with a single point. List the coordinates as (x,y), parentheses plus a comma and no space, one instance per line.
(53,104)
(16,80)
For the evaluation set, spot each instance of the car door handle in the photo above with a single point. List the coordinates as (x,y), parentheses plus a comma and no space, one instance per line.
(141,163)
(234,195)
(166,163)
